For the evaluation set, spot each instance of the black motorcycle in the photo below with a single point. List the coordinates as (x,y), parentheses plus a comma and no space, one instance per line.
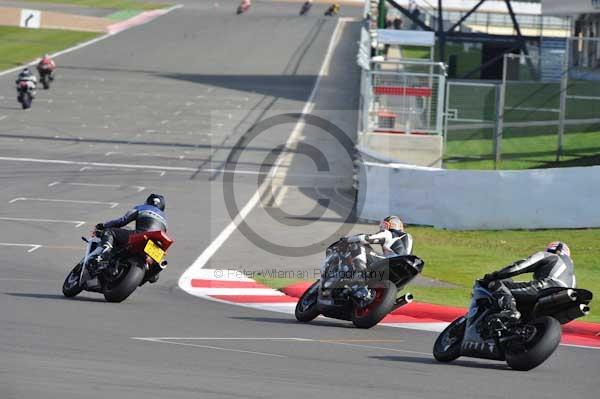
(46,76)
(25,93)
(523,345)
(305,8)
(334,294)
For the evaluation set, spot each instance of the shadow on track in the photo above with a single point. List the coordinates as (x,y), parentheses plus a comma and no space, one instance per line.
(431,361)
(54,296)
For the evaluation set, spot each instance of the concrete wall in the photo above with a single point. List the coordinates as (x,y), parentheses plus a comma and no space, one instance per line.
(413,149)
(481,200)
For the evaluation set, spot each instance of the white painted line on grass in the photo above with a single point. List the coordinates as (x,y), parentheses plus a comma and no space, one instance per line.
(32,247)
(112,204)
(77,223)
(210,347)
(214,246)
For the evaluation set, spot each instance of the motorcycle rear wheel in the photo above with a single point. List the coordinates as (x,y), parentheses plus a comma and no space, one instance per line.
(533,353)
(71,286)
(303,314)
(385,298)
(126,285)
(447,345)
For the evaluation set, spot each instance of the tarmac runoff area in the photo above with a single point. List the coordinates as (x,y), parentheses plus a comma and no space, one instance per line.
(148,110)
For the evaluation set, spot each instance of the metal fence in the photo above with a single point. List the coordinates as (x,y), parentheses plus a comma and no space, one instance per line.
(405,102)
(471,122)
(543,113)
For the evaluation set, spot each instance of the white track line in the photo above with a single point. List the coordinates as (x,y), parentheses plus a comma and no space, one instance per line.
(33,247)
(89,165)
(77,223)
(84,44)
(138,188)
(210,347)
(214,246)
(112,204)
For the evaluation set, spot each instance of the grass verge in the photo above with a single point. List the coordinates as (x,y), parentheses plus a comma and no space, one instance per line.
(115,4)
(19,45)
(460,257)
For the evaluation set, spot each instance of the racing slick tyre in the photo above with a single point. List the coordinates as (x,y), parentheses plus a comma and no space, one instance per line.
(124,286)
(306,308)
(536,350)
(71,286)
(447,345)
(385,299)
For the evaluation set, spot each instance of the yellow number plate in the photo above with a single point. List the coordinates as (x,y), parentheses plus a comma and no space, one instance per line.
(154,251)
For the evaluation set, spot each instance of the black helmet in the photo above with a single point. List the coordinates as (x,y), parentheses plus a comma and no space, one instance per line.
(26,72)
(156,200)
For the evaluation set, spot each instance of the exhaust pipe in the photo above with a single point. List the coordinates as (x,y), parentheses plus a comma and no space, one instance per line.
(560,298)
(403,300)
(572,313)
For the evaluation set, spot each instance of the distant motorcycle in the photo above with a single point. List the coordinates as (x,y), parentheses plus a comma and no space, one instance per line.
(333,10)
(524,345)
(243,7)
(46,76)
(305,8)
(25,93)
(332,296)
(140,261)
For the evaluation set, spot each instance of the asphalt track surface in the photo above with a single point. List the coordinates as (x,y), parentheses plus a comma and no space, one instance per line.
(178,93)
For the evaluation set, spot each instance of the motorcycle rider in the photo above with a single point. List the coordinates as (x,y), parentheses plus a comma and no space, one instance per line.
(333,9)
(46,65)
(393,240)
(149,216)
(27,76)
(552,267)
(306,7)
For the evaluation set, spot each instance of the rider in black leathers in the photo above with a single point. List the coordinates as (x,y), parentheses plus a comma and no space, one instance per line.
(148,217)
(551,268)
(393,240)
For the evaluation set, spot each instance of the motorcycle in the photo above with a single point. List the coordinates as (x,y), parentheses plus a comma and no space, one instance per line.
(243,7)
(46,76)
(523,345)
(25,93)
(305,8)
(332,295)
(332,11)
(140,261)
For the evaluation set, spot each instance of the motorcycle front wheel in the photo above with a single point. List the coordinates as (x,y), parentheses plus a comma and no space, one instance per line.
(306,308)
(71,286)
(448,343)
(370,315)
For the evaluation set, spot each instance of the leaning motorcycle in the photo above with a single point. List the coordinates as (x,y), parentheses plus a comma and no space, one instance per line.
(243,7)
(140,261)
(305,8)
(525,344)
(25,93)
(332,295)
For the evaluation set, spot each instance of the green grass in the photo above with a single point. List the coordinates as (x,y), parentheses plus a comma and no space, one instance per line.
(116,4)
(523,147)
(20,45)
(460,257)
(123,15)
